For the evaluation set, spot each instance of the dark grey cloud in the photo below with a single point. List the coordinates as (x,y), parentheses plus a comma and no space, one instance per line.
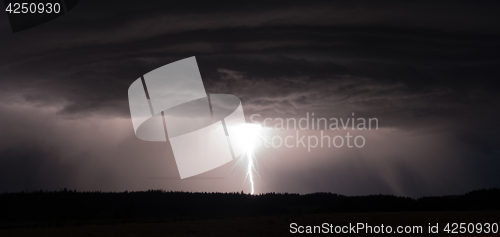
(417,66)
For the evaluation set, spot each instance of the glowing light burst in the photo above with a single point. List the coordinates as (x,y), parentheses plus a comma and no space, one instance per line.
(250,137)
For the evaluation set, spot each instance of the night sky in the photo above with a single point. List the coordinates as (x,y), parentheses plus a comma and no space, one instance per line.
(429,72)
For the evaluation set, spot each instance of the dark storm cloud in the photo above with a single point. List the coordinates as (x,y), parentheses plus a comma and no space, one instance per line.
(89,60)
(414,65)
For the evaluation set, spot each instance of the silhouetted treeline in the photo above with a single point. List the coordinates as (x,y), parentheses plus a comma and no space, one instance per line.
(72,207)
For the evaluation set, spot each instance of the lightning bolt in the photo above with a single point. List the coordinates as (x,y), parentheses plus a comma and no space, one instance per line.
(249,170)
(250,136)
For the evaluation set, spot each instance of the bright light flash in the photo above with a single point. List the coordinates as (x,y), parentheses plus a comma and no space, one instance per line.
(250,137)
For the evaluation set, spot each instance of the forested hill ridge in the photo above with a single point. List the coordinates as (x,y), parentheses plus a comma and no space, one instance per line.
(70,206)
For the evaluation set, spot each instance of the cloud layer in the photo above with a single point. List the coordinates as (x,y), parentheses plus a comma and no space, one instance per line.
(426,70)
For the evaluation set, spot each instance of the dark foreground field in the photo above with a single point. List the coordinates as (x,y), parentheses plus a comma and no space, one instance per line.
(265,225)
(159,213)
